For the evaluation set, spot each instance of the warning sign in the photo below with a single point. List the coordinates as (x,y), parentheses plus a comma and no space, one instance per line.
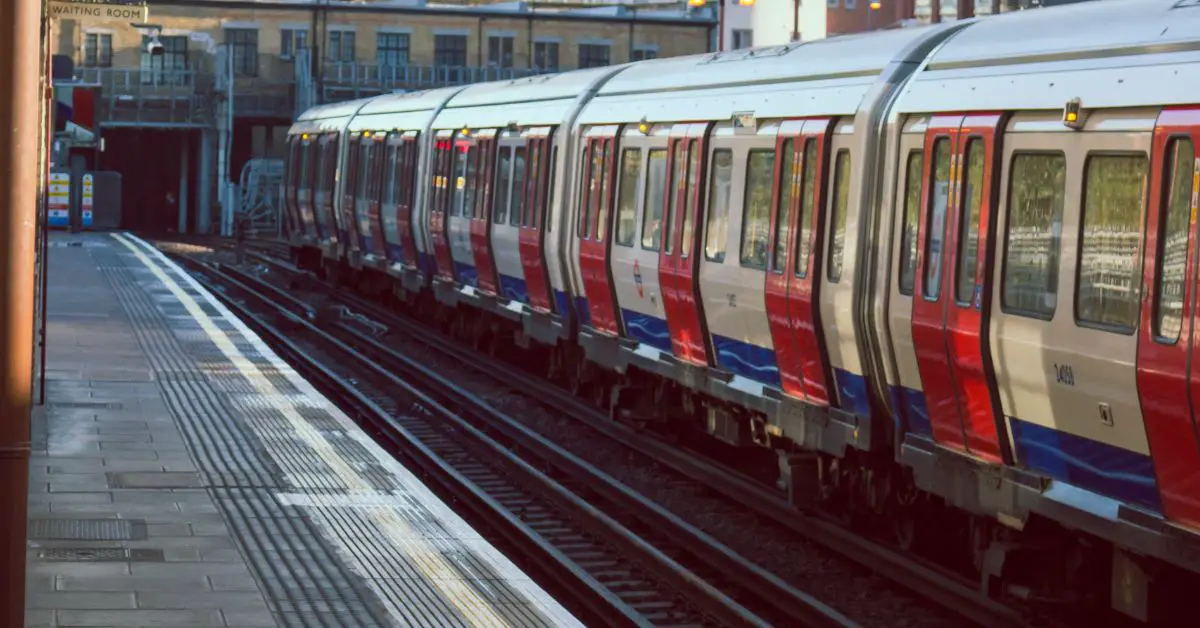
(58,199)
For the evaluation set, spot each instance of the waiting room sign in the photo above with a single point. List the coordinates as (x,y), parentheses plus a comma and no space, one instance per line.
(97,11)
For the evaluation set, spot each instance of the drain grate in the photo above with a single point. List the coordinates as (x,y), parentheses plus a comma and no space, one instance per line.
(100,555)
(89,405)
(87,529)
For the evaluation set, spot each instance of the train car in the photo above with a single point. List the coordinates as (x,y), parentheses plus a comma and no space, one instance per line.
(314,147)
(496,149)
(386,159)
(1035,305)
(943,275)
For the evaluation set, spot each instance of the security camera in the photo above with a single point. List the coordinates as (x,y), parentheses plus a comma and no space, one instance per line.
(155,48)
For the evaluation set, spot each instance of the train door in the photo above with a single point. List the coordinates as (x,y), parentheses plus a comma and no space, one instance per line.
(954,253)
(465,167)
(595,222)
(357,194)
(678,262)
(439,203)
(328,149)
(1168,377)
(304,189)
(347,228)
(481,211)
(510,201)
(375,242)
(399,176)
(791,289)
(533,222)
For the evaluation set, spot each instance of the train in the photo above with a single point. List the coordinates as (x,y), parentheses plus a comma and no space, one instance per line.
(943,277)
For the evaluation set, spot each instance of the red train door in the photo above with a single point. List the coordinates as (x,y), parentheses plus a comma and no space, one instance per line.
(677,259)
(594,223)
(532,243)
(481,214)
(954,251)
(1168,381)
(804,310)
(406,170)
(791,292)
(443,162)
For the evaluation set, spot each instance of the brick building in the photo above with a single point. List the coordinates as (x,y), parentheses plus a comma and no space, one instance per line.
(166,118)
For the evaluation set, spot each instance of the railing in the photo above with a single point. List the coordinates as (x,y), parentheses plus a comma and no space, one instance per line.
(158,96)
(343,81)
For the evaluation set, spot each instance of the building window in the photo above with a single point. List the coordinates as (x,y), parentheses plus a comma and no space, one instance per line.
(97,50)
(833,4)
(500,51)
(450,50)
(594,55)
(391,49)
(292,40)
(341,47)
(851,5)
(545,56)
(243,43)
(641,54)
(742,38)
(169,68)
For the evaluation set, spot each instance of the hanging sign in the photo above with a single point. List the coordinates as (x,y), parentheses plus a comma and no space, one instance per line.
(93,11)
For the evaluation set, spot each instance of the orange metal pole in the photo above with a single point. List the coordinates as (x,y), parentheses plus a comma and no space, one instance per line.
(20,175)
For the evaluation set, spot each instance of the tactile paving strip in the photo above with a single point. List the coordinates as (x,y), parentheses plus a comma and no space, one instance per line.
(86,530)
(302,577)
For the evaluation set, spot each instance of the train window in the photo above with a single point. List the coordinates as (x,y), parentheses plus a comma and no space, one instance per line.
(503,186)
(908,230)
(530,185)
(789,181)
(838,206)
(390,176)
(1109,284)
(1036,194)
(585,174)
(719,188)
(656,192)
(305,159)
(544,205)
(691,198)
(1173,241)
(481,182)
(518,187)
(362,171)
(935,227)
(968,220)
(756,208)
(631,169)
(603,202)
(808,198)
(677,189)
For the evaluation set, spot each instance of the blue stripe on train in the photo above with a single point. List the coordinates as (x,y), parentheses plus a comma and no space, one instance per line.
(467,274)
(910,405)
(648,329)
(395,253)
(562,304)
(1098,467)
(514,288)
(852,392)
(583,310)
(748,360)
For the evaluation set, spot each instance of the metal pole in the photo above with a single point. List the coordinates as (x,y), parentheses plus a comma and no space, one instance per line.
(20,128)
(720,25)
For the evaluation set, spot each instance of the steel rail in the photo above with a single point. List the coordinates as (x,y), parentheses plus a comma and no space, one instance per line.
(928,582)
(436,394)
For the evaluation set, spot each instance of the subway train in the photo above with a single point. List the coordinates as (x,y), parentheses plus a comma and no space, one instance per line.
(943,277)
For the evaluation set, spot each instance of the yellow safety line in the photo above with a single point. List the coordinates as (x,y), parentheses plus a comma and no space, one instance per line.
(430,562)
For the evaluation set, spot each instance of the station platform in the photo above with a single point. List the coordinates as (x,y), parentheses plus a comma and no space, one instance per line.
(184,475)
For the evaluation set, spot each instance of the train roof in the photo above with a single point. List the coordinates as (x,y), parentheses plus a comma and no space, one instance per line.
(823,77)
(1117,53)
(536,100)
(408,111)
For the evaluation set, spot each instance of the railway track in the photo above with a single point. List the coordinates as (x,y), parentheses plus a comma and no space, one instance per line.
(927,580)
(620,558)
